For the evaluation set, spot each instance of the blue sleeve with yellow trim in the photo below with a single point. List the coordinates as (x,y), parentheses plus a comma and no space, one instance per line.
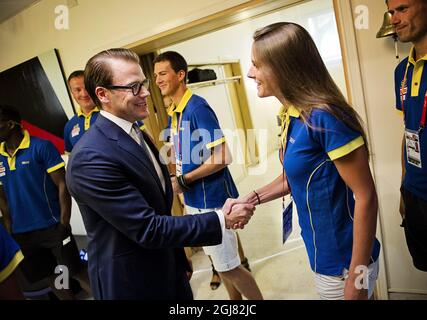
(50,156)
(10,254)
(204,119)
(335,137)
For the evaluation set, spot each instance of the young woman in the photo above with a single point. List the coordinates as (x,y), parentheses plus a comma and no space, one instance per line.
(325,162)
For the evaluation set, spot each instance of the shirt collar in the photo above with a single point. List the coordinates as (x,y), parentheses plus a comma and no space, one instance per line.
(80,112)
(182,104)
(412,56)
(122,123)
(25,144)
(293,112)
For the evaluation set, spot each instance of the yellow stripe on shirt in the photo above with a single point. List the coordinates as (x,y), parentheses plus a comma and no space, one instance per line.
(58,166)
(215,143)
(346,149)
(6,272)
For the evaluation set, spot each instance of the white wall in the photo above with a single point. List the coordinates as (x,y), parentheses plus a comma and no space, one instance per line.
(377,63)
(95,25)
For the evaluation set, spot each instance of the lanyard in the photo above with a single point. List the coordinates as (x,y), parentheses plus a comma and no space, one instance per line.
(284,137)
(178,148)
(404,91)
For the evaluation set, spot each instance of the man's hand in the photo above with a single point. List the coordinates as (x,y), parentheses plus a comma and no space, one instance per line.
(228,205)
(351,292)
(175,185)
(239,216)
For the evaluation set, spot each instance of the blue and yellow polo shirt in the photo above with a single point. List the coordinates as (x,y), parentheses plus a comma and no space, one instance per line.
(415,179)
(77,126)
(32,197)
(198,134)
(325,203)
(10,254)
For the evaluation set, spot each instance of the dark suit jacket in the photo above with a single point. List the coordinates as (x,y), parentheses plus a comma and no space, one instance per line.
(134,244)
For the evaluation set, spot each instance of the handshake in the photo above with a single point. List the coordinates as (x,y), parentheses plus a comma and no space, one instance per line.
(237,213)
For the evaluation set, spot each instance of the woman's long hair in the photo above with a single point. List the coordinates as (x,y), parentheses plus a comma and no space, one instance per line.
(290,52)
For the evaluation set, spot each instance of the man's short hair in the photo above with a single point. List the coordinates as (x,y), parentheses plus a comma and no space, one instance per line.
(176,60)
(98,71)
(75,74)
(8,112)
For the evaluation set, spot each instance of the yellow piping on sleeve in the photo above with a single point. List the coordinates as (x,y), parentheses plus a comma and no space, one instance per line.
(215,143)
(346,149)
(6,272)
(58,166)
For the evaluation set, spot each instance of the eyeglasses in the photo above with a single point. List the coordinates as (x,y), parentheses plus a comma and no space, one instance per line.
(136,87)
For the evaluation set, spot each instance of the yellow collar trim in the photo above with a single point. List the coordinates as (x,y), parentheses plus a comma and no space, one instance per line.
(182,104)
(80,112)
(292,111)
(25,144)
(412,56)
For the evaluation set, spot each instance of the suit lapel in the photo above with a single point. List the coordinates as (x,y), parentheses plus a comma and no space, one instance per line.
(165,171)
(125,142)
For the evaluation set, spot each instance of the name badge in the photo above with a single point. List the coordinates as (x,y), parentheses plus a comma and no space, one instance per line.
(75,131)
(287,221)
(413,148)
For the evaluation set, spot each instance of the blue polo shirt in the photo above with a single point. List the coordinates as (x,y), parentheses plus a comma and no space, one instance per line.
(10,254)
(32,196)
(77,126)
(415,179)
(199,133)
(325,203)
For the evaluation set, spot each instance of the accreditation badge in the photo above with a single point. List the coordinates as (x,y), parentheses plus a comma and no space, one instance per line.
(75,131)
(413,148)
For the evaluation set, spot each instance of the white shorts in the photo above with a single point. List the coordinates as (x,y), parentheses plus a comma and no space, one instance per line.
(225,256)
(332,288)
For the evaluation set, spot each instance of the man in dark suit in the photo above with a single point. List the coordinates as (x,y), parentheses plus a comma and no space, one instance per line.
(124,193)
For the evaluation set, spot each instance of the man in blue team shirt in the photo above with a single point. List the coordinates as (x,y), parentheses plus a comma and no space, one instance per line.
(408,18)
(201,166)
(86,114)
(36,205)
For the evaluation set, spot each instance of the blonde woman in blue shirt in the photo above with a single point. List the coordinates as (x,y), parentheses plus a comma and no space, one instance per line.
(325,162)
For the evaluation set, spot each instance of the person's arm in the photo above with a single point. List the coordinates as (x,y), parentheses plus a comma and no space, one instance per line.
(354,170)
(58,178)
(5,210)
(10,289)
(103,186)
(402,204)
(277,188)
(219,159)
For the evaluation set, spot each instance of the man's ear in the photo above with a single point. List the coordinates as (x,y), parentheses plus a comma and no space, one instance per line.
(181,75)
(102,94)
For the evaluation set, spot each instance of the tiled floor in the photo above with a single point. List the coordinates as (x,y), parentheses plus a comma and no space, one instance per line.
(281,271)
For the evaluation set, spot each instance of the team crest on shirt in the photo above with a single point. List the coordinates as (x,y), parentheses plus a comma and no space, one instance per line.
(75,131)
(2,170)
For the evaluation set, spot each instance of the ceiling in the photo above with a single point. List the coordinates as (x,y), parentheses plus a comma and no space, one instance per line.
(9,8)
